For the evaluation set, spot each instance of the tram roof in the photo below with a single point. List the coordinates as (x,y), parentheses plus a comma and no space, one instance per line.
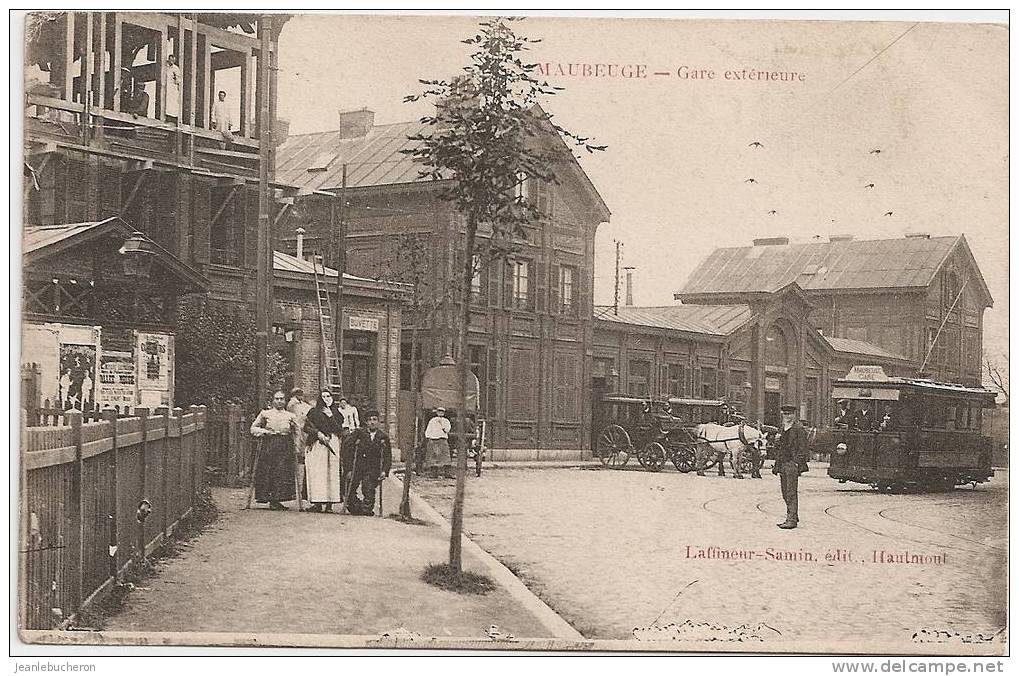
(874,376)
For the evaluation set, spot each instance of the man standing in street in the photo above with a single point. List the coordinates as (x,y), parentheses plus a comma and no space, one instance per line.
(371,460)
(437,442)
(790,462)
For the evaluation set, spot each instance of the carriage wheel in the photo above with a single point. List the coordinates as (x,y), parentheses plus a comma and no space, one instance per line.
(613,446)
(652,457)
(684,457)
(744,462)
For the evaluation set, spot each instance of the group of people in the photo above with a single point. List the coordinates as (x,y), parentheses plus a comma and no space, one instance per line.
(135,100)
(343,461)
(861,417)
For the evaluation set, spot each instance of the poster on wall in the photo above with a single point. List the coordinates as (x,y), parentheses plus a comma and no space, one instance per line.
(76,387)
(116,380)
(153,368)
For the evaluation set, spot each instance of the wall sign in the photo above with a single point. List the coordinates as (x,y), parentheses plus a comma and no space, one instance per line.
(362,323)
(772,384)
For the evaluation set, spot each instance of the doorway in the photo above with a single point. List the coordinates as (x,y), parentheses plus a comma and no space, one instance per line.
(772,408)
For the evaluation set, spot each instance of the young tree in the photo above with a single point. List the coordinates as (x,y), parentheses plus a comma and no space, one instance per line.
(489,136)
(409,261)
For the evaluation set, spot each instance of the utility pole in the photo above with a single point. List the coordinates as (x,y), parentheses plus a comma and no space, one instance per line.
(615,302)
(263,271)
(341,267)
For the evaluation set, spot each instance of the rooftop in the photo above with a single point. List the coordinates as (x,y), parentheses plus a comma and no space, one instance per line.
(909,262)
(862,347)
(717,320)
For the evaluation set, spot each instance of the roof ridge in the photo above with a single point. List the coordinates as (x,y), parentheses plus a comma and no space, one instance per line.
(354,138)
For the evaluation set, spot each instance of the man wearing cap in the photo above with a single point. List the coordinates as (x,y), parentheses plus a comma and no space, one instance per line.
(437,440)
(843,415)
(371,462)
(790,462)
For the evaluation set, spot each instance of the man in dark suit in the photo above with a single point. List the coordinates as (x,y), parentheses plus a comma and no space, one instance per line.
(864,419)
(369,459)
(790,462)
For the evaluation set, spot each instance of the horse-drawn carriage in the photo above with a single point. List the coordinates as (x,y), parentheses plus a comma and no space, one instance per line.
(663,430)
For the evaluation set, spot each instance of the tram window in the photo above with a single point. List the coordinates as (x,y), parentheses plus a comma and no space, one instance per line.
(935,414)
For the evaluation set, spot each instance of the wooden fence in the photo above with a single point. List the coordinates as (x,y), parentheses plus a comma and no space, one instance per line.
(230,446)
(83,497)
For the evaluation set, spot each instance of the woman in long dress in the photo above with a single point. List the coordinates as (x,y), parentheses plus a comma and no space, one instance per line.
(274,476)
(323,426)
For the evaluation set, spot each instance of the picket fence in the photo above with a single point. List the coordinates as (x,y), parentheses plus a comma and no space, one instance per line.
(97,496)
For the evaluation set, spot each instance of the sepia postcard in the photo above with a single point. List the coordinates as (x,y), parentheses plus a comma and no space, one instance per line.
(498,333)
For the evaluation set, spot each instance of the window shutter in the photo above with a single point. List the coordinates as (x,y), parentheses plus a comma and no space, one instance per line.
(541,192)
(541,283)
(507,268)
(492,382)
(554,283)
(494,270)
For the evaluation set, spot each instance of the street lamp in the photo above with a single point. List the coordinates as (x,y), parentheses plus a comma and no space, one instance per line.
(138,252)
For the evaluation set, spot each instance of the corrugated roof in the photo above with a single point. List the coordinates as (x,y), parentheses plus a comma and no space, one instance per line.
(373,159)
(717,320)
(862,347)
(863,264)
(286,263)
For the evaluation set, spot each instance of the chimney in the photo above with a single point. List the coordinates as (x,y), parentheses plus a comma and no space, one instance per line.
(918,235)
(629,286)
(771,241)
(300,243)
(356,123)
(840,238)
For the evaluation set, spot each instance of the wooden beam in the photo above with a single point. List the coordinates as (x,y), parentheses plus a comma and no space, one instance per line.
(102,64)
(134,191)
(193,72)
(222,208)
(281,213)
(245,84)
(207,83)
(69,58)
(86,78)
(161,74)
(118,28)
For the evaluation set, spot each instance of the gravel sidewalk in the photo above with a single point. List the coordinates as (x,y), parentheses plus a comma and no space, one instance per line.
(291,573)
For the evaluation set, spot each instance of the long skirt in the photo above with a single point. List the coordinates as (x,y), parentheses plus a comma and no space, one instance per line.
(436,453)
(274,477)
(322,468)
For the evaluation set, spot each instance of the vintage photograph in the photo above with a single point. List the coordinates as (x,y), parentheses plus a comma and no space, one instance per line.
(513,333)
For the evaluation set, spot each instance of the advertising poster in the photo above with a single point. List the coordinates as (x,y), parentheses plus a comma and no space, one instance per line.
(153,368)
(76,387)
(117,380)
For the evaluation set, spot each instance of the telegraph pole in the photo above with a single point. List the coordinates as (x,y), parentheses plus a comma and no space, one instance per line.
(263,271)
(615,302)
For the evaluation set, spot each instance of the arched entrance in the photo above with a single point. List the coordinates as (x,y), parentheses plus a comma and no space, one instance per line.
(776,373)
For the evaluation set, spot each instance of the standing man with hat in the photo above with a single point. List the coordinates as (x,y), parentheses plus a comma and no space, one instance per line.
(371,461)
(790,462)
(437,442)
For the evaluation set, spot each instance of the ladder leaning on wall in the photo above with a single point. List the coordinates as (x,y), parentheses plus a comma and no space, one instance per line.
(325,322)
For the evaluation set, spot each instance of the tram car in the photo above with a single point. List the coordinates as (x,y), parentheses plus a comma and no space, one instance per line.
(908,434)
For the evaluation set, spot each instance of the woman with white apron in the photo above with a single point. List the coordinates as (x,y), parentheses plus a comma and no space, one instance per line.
(322,461)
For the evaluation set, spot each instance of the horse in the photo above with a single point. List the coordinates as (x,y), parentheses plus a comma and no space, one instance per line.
(728,440)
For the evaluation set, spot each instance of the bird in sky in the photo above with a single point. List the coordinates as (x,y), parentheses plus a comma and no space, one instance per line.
(772,212)
(876,151)
(756,144)
(888,213)
(869,185)
(750,180)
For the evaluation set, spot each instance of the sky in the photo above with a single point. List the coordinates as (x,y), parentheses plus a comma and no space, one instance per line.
(932,97)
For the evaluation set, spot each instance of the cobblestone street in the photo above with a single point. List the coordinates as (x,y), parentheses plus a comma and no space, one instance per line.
(612,551)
